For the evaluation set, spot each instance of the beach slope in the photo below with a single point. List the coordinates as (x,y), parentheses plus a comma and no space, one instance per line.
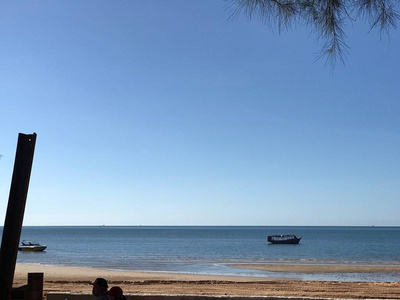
(77,279)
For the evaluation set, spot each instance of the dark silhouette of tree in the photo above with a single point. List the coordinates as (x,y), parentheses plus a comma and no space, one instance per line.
(326,18)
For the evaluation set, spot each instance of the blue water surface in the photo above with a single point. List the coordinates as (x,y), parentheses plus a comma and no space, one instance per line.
(210,250)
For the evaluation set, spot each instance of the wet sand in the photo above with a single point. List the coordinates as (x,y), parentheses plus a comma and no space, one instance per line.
(77,280)
(328,268)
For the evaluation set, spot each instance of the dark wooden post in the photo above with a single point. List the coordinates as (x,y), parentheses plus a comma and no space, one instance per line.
(15,212)
(35,286)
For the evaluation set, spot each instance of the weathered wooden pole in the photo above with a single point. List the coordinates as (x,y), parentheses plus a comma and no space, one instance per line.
(35,286)
(15,212)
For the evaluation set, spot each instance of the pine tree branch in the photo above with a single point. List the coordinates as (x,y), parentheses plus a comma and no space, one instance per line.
(327,18)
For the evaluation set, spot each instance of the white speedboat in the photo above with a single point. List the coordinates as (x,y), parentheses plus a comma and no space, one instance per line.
(31,246)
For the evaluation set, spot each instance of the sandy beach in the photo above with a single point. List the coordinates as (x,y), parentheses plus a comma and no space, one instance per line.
(77,279)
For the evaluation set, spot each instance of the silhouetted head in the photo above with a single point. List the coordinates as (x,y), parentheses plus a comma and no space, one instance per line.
(100,287)
(115,293)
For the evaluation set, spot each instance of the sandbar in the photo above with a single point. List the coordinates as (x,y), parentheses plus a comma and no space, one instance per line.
(327,268)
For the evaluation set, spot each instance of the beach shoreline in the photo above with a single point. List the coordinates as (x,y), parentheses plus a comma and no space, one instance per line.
(319,268)
(78,279)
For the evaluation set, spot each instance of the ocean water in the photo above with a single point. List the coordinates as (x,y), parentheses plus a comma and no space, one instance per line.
(209,250)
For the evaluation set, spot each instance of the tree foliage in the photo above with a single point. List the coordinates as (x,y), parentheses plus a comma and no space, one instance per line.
(326,18)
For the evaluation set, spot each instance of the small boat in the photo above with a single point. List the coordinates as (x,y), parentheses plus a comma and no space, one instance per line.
(283,239)
(31,246)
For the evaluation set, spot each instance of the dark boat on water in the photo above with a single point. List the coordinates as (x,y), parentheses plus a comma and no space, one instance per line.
(283,239)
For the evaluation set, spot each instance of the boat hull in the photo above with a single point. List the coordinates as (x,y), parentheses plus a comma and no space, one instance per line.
(292,242)
(283,239)
(32,248)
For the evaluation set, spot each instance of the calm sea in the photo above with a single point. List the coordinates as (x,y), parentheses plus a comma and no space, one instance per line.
(209,250)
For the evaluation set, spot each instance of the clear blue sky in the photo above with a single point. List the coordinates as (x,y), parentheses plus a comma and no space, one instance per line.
(167,113)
